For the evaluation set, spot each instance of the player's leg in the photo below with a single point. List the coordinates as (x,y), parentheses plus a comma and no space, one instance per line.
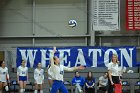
(36,87)
(5,86)
(0,87)
(50,82)
(41,88)
(21,85)
(63,89)
(24,85)
(55,87)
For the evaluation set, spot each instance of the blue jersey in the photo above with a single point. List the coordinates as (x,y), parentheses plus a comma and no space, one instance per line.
(90,82)
(79,80)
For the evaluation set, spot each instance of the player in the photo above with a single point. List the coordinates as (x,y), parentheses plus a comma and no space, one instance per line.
(50,81)
(113,73)
(22,76)
(57,72)
(4,77)
(39,78)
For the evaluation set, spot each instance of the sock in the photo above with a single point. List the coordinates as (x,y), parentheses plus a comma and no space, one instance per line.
(50,89)
(21,90)
(6,88)
(24,90)
(35,91)
(41,91)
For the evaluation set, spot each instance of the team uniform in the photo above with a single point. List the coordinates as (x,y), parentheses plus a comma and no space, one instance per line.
(114,68)
(22,72)
(39,76)
(3,74)
(56,73)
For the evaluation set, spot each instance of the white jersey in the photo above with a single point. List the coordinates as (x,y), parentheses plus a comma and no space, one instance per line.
(114,68)
(57,71)
(22,71)
(39,75)
(3,74)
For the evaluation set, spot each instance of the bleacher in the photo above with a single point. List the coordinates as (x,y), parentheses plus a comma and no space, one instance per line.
(132,78)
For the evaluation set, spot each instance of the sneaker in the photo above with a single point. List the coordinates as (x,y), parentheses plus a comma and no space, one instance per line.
(81,91)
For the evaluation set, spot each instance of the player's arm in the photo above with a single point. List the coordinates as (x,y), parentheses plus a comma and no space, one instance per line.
(18,71)
(52,67)
(93,83)
(27,75)
(7,75)
(47,70)
(87,85)
(74,68)
(110,73)
(110,77)
(35,74)
(43,74)
(52,56)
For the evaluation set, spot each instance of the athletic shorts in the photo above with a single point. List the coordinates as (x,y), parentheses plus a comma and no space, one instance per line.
(22,78)
(49,78)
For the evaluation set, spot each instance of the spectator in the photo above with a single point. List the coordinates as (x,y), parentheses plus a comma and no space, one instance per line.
(78,81)
(103,81)
(89,83)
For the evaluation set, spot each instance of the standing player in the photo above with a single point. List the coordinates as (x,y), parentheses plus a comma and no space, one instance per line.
(0,80)
(39,78)
(50,81)
(4,77)
(57,73)
(22,76)
(113,73)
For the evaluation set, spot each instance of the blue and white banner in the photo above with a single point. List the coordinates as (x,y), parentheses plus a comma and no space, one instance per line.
(75,56)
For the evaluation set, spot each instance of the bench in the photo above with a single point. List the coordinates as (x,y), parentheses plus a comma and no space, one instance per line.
(97,72)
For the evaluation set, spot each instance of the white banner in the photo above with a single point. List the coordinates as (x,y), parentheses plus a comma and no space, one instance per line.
(106,15)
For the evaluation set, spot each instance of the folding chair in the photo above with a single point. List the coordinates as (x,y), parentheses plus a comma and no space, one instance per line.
(125,87)
(137,87)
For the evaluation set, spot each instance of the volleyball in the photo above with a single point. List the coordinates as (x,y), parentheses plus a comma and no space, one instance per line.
(72,23)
